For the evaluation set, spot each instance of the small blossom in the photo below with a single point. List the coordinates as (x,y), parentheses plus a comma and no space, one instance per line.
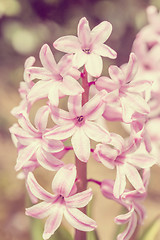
(64,202)
(88,47)
(77,123)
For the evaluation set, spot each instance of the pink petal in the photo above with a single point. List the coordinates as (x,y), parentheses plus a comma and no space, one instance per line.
(96,132)
(40,90)
(94,65)
(20,135)
(25,155)
(101,32)
(66,88)
(81,145)
(40,210)
(107,189)
(53,222)
(131,68)
(127,110)
(79,59)
(52,146)
(139,85)
(37,190)
(79,200)
(40,73)
(47,59)
(116,74)
(120,182)
(64,179)
(124,218)
(94,108)
(104,51)
(41,118)
(29,62)
(83,33)
(61,132)
(48,161)
(53,94)
(106,83)
(141,211)
(79,220)
(60,116)
(141,160)
(65,63)
(26,125)
(126,235)
(134,177)
(75,105)
(67,44)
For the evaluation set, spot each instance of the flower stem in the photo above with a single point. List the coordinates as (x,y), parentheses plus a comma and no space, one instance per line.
(81,166)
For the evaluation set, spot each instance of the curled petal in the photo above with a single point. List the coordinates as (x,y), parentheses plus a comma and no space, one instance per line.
(53,222)
(41,118)
(37,190)
(79,220)
(80,199)
(64,179)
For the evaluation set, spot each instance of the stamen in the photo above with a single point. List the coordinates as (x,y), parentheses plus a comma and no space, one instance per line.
(80,118)
(86,50)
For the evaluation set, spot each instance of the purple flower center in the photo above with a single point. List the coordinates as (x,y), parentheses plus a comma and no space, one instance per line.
(86,50)
(80,118)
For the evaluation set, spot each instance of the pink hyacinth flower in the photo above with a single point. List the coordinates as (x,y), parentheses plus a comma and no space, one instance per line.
(131,200)
(78,124)
(127,164)
(31,141)
(55,79)
(125,89)
(88,47)
(64,202)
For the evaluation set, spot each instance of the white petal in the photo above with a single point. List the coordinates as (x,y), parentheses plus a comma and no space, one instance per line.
(94,65)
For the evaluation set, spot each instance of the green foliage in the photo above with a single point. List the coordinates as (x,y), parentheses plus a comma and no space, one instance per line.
(152,230)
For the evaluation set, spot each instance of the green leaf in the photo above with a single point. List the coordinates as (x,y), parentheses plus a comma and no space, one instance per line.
(152,230)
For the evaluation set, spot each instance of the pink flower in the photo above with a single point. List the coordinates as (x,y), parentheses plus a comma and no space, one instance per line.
(32,144)
(64,201)
(55,79)
(124,90)
(127,164)
(78,123)
(88,47)
(131,200)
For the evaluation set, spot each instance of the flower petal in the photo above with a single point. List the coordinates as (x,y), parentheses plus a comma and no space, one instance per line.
(66,88)
(79,59)
(61,132)
(120,182)
(64,179)
(101,32)
(41,118)
(40,73)
(96,132)
(79,220)
(48,161)
(75,105)
(53,222)
(81,145)
(67,44)
(83,33)
(79,200)
(37,190)
(94,65)
(141,160)
(131,68)
(47,59)
(40,210)
(104,51)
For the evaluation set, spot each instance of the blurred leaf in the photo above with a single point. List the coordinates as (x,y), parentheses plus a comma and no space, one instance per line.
(152,230)
(61,234)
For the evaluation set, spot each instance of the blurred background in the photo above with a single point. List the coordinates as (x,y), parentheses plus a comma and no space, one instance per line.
(25,25)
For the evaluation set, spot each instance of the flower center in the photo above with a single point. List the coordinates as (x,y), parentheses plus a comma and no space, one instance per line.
(80,118)
(86,50)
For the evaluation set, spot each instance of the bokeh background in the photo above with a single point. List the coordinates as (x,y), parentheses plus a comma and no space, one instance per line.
(25,25)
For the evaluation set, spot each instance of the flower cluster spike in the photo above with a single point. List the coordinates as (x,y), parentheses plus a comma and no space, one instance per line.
(130,95)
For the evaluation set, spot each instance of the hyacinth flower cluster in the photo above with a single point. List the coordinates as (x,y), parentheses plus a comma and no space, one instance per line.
(128,95)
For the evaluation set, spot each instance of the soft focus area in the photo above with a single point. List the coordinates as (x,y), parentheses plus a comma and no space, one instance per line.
(24,27)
